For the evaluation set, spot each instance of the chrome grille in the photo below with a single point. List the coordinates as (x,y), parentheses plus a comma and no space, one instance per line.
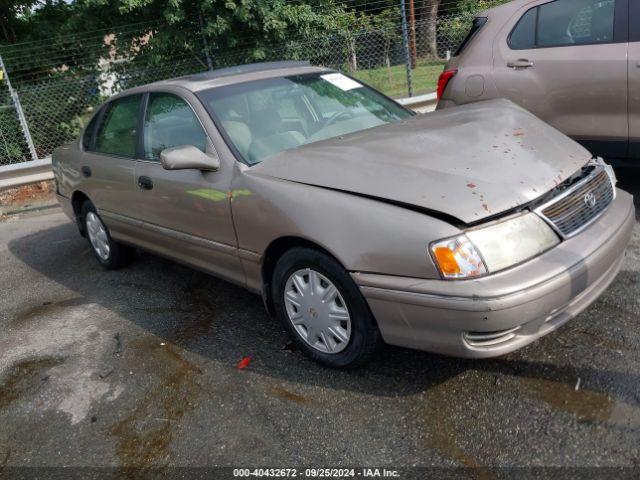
(577,207)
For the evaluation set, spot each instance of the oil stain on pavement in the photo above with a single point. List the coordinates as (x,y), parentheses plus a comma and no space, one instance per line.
(143,437)
(26,378)
(584,404)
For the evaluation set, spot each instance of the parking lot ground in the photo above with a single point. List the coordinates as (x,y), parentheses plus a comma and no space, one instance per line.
(137,368)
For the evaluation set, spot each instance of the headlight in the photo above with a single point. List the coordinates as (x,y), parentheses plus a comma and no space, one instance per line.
(609,171)
(494,247)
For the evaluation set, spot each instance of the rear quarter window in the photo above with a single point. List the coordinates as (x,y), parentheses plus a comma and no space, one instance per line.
(87,136)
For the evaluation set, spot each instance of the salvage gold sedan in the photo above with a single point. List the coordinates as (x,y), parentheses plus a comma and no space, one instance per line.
(469,232)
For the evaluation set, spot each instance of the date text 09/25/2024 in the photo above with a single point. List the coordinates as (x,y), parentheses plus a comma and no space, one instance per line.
(316,472)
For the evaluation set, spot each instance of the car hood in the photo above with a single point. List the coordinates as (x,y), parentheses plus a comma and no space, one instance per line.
(469,162)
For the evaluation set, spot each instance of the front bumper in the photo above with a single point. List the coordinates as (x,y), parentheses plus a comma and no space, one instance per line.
(500,313)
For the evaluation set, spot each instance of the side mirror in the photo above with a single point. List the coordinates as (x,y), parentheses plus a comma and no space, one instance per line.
(188,157)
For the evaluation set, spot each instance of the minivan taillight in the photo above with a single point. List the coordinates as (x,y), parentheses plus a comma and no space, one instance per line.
(443,81)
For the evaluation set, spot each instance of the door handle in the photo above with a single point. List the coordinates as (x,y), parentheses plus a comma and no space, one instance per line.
(86,171)
(145,183)
(520,63)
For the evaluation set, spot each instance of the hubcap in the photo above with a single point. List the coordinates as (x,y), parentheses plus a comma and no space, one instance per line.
(317,311)
(98,236)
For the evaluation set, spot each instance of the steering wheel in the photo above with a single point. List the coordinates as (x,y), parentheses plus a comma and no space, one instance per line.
(337,116)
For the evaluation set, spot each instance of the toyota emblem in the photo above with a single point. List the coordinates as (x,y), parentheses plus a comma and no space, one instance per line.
(590,200)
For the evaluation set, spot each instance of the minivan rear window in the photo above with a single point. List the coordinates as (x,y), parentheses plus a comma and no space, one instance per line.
(477,24)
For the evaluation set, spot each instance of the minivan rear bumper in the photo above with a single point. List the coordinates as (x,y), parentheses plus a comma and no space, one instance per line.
(500,313)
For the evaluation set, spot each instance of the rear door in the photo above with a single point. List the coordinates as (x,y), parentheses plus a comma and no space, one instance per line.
(566,62)
(108,164)
(634,80)
(186,214)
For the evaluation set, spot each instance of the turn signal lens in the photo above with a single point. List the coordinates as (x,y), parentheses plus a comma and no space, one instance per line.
(458,258)
(447,261)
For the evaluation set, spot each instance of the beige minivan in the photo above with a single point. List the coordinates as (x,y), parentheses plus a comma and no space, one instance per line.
(573,63)
(472,231)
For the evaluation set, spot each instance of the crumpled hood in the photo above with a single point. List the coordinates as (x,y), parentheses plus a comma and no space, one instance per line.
(469,162)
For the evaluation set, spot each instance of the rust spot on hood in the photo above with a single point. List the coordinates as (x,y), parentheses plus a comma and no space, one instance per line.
(471,185)
(518,132)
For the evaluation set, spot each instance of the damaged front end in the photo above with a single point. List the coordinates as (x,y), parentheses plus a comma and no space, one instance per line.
(531,230)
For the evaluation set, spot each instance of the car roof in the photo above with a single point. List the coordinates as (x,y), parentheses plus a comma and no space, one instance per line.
(508,7)
(232,75)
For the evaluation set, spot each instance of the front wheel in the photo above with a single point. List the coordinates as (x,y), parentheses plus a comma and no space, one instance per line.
(323,309)
(108,252)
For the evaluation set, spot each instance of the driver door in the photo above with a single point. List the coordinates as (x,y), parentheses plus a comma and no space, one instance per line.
(186,214)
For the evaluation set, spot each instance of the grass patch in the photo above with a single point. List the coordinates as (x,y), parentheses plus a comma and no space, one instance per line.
(393,81)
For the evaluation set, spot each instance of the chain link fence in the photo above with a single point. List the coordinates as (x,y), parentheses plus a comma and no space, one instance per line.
(13,146)
(55,108)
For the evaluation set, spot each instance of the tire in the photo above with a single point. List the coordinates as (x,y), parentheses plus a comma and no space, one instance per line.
(321,330)
(109,253)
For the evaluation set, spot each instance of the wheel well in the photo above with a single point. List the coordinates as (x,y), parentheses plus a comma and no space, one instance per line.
(77,199)
(272,254)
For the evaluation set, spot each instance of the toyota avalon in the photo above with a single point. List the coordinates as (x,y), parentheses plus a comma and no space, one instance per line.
(471,231)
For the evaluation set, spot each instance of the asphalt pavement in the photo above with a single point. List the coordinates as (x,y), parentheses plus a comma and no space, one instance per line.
(137,368)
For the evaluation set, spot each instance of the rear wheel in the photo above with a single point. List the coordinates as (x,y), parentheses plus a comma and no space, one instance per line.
(323,309)
(108,252)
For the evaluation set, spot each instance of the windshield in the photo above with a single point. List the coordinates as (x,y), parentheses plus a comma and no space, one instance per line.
(265,117)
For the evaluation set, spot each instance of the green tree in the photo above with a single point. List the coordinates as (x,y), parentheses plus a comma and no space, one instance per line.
(249,28)
(10,13)
(385,24)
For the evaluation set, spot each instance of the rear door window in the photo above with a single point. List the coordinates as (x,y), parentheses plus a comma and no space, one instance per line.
(634,21)
(566,23)
(117,134)
(523,36)
(569,22)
